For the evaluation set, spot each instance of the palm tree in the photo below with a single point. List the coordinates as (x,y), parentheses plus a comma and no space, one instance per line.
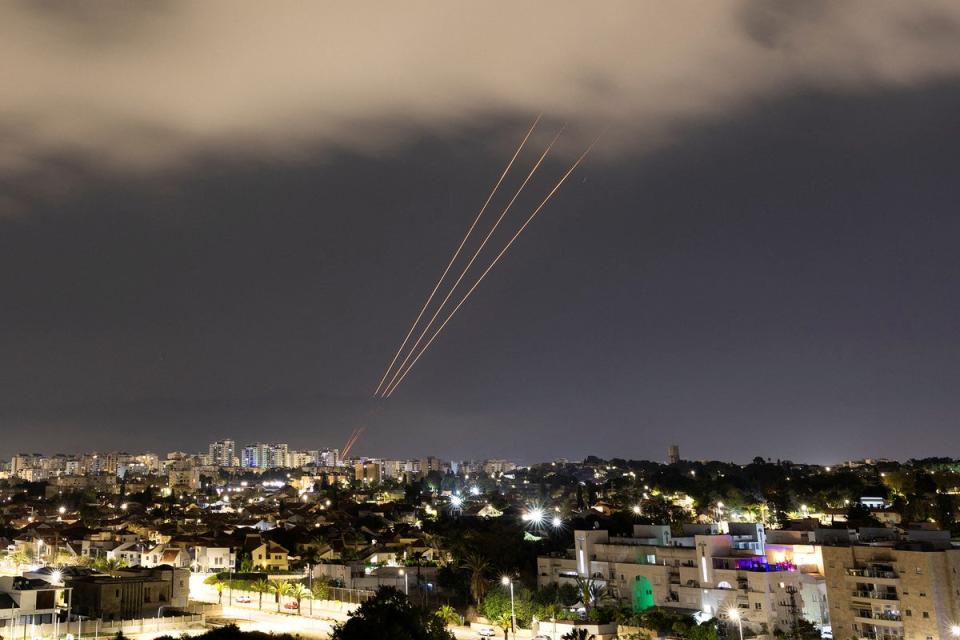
(435,543)
(448,614)
(219,585)
(20,557)
(591,592)
(576,634)
(109,564)
(280,588)
(478,566)
(505,622)
(261,587)
(299,593)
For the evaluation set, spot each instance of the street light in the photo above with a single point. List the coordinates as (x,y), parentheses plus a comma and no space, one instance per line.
(955,630)
(505,580)
(534,516)
(406,582)
(159,612)
(733,614)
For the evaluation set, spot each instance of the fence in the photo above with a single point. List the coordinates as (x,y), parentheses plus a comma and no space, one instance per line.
(105,629)
(350,596)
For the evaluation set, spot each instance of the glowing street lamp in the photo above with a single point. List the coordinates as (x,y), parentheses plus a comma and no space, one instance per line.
(557,522)
(505,581)
(406,582)
(733,614)
(534,516)
(955,630)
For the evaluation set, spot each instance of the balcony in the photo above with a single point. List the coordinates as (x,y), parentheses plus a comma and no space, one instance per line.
(881,633)
(869,614)
(754,564)
(886,618)
(883,594)
(872,572)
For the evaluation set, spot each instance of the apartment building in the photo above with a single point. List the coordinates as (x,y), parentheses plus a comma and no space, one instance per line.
(28,601)
(703,571)
(263,455)
(905,590)
(367,472)
(221,453)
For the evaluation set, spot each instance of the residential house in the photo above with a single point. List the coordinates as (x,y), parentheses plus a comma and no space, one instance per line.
(270,556)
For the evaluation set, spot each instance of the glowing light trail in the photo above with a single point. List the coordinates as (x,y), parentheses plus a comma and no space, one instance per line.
(351,441)
(473,259)
(456,253)
(523,227)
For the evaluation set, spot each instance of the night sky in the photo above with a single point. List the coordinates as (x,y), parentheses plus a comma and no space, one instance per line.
(761,258)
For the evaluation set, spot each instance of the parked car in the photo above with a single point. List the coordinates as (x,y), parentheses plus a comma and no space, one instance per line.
(291,605)
(486,632)
(243,599)
(542,636)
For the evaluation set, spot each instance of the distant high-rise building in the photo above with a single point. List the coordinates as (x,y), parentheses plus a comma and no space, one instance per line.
(265,456)
(299,459)
(673,454)
(222,452)
(430,463)
(492,467)
(329,458)
(367,472)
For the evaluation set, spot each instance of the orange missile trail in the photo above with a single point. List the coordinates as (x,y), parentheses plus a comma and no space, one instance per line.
(473,259)
(351,441)
(456,253)
(533,215)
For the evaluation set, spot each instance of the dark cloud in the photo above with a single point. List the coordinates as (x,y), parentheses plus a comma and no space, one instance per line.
(142,86)
(217,221)
(774,24)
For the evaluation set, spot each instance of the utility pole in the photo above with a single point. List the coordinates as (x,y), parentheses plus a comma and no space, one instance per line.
(792,607)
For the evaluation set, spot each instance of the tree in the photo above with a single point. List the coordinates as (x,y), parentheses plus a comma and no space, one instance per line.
(706,630)
(20,557)
(299,593)
(219,585)
(260,587)
(478,567)
(389,614)
(417,557)
(505,622)
(448,614)
(280,588)
(577,634)
(108,564)
(321,590)
(591,592)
